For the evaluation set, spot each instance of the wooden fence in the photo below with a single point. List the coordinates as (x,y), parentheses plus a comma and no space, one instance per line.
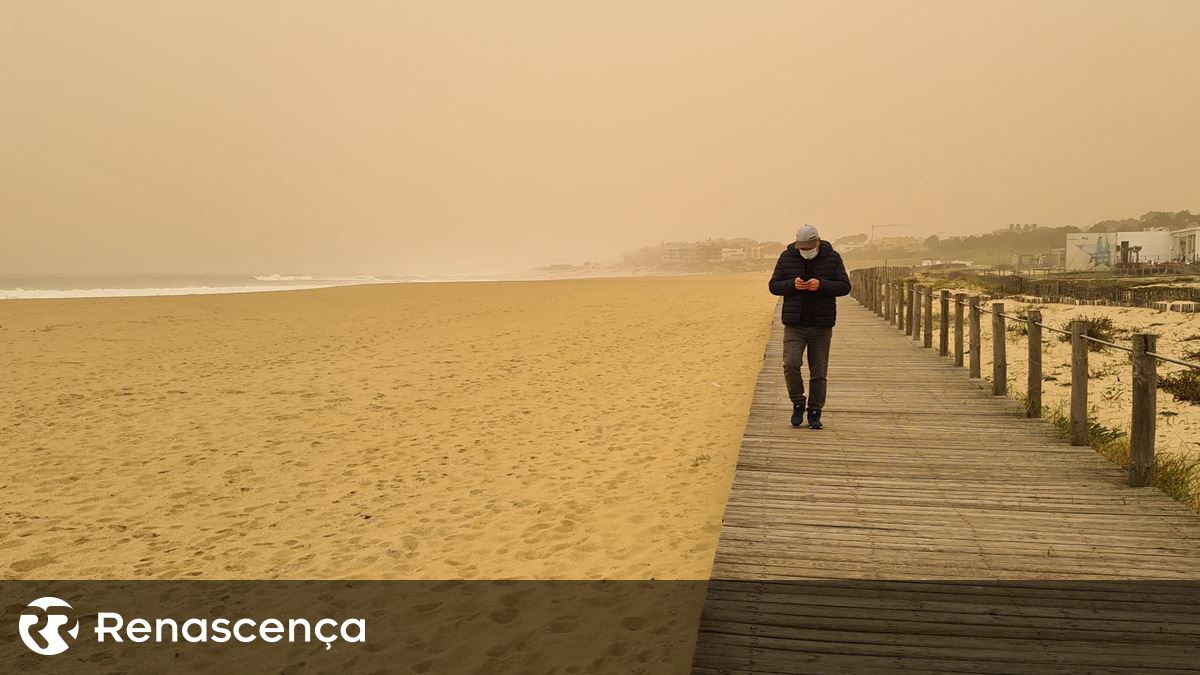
(893,294)
(1080,291)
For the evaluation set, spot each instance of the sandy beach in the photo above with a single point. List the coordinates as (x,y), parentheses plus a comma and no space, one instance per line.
(580,429)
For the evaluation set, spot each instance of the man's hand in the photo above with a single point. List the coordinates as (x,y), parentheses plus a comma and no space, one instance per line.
(810,285)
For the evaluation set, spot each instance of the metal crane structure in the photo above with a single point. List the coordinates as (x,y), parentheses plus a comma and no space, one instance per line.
(874,227)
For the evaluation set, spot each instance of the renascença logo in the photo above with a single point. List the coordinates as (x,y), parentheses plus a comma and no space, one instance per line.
(52,641)
(111,626)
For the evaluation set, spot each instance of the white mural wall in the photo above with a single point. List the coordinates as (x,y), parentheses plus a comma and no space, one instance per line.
(1101,250)
(1089,251)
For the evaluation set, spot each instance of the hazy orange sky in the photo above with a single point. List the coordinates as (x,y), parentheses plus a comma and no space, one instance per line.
(405,137)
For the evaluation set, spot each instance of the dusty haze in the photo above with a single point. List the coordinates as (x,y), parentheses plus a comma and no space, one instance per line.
(386,137)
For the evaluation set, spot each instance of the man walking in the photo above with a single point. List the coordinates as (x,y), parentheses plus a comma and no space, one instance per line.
(809,275)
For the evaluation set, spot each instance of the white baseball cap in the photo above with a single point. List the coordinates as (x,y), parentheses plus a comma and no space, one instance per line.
(806,233)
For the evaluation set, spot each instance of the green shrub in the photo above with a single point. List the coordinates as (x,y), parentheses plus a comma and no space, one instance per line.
(1018,327)
(1098,327)
(1183,385)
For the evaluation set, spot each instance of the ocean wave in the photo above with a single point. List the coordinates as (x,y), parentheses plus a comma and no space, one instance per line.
(255,284)
(35,294)
(308,277)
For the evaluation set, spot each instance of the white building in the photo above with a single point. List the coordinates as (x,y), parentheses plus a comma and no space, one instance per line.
(1184,245)
(1102,250)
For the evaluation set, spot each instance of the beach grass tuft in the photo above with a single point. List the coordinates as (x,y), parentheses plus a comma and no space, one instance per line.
(1184,385)
(1099,327)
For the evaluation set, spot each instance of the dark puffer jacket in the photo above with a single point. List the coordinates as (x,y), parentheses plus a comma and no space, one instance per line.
(826,266)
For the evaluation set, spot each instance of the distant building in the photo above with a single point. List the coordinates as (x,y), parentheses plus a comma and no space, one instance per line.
(1052,259)
(772,249)
(690,253)
(707,253)
(1184,245)
(677,253)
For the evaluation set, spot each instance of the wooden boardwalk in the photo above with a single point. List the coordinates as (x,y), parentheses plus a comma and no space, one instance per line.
(931,527)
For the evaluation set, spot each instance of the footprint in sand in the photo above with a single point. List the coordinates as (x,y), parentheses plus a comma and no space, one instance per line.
(504,616)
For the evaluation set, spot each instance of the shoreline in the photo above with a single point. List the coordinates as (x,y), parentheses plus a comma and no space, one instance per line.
(297,285)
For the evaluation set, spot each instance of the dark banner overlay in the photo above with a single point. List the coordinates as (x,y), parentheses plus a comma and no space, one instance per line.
(648,627)
(351,626)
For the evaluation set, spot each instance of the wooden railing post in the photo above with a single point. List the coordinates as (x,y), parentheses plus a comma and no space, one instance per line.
(1033,388)
(959,299)
(928,316)
(944,324)
(898,305)
(909,293)
(887,301)
(999,358)
(877,290)
(918,301)
(1079,384)
(973,318)
(1142,432)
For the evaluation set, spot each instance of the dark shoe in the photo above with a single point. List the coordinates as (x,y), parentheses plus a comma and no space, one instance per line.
(797,414)
(814,419)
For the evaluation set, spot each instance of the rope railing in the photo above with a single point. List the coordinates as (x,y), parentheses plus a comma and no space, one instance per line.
(1106,343)
(894,295)
(1177,362)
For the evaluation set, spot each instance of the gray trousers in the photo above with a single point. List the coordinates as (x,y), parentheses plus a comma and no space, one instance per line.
(797,340)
